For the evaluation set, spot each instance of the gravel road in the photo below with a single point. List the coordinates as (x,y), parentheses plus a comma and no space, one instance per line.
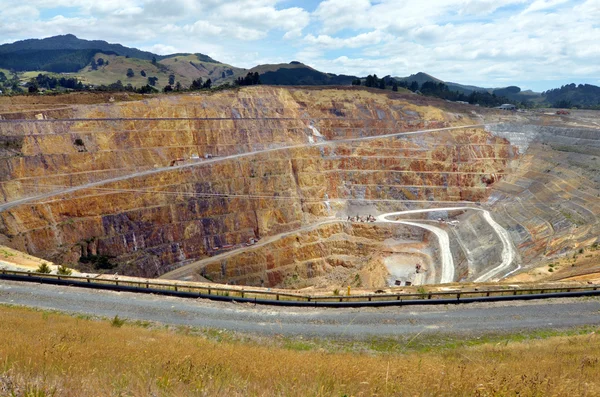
(447,263)
(469,319)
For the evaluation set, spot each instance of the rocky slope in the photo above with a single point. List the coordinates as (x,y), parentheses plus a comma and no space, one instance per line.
(255,163)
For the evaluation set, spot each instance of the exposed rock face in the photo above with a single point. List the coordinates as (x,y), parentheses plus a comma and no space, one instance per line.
(550,202)
(330,253)
(148,218)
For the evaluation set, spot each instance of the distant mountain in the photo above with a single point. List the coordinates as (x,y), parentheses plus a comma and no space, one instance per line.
(58,61)
(67,53)
(466,89)
(297,73)
(97,62)
(420,78)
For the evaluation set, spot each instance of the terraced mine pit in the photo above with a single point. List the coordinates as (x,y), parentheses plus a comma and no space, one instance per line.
(295,187)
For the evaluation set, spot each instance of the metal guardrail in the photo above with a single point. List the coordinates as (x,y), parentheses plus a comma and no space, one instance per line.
(292,299)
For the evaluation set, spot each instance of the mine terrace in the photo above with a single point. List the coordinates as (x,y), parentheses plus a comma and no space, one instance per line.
(302,188)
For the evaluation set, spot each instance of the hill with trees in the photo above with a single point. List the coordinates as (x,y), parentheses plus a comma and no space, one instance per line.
(67,53)
(297,73)
(572,95)
(97,64)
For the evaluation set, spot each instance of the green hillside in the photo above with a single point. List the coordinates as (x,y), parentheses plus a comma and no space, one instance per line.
(193,66)
(68,54)
(572,95)
(49,60)
(296,73)
(70,42)
(419,78)
(99,63)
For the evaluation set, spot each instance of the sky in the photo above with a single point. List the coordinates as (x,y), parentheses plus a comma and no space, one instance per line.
(535,44)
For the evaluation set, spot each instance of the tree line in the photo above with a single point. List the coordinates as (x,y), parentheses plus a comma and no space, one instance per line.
(585,96)
(436,89)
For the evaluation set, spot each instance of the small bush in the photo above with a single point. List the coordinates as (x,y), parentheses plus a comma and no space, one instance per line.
(550,270)
(336,292)
(44,268)
(117,322)
(64,271)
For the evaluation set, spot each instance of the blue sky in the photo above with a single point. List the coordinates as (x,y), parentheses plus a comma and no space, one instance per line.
(536,44)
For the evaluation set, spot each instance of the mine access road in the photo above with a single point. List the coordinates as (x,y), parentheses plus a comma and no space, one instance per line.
(447,263)
(468,320)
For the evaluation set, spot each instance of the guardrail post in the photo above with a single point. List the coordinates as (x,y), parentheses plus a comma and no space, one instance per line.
(458,296)
(514,292)
(487,293)
(243,294)
(429,296)
(369,298)
(542,291)
(209,291)
(277,297)
(147,285)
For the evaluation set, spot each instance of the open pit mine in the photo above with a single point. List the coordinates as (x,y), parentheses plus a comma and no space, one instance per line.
(302,187)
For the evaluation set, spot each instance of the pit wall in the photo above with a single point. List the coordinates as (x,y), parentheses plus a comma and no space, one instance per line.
(549,204)
(84,144)
(479,245)
(336,253)
(147,231)
(151,223)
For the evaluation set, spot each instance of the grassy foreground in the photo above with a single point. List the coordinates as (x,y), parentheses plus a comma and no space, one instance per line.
(49,354)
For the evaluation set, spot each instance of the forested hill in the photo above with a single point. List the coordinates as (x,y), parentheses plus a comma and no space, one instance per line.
(297,73)
(67,53)
(572,95)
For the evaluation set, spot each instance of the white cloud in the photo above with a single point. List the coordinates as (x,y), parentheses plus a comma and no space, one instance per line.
(361,40)
(162,49)
(471,41)
(540,5)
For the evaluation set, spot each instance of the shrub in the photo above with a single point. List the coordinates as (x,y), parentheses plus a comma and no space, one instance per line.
(64,271)
(117,322)
(44,268)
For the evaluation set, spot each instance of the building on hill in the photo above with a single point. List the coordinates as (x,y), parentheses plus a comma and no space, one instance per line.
(507,106)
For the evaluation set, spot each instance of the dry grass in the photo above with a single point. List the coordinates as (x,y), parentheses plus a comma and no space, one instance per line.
(48,354)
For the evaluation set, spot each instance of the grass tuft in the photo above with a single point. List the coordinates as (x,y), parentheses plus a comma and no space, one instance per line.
(117,322)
